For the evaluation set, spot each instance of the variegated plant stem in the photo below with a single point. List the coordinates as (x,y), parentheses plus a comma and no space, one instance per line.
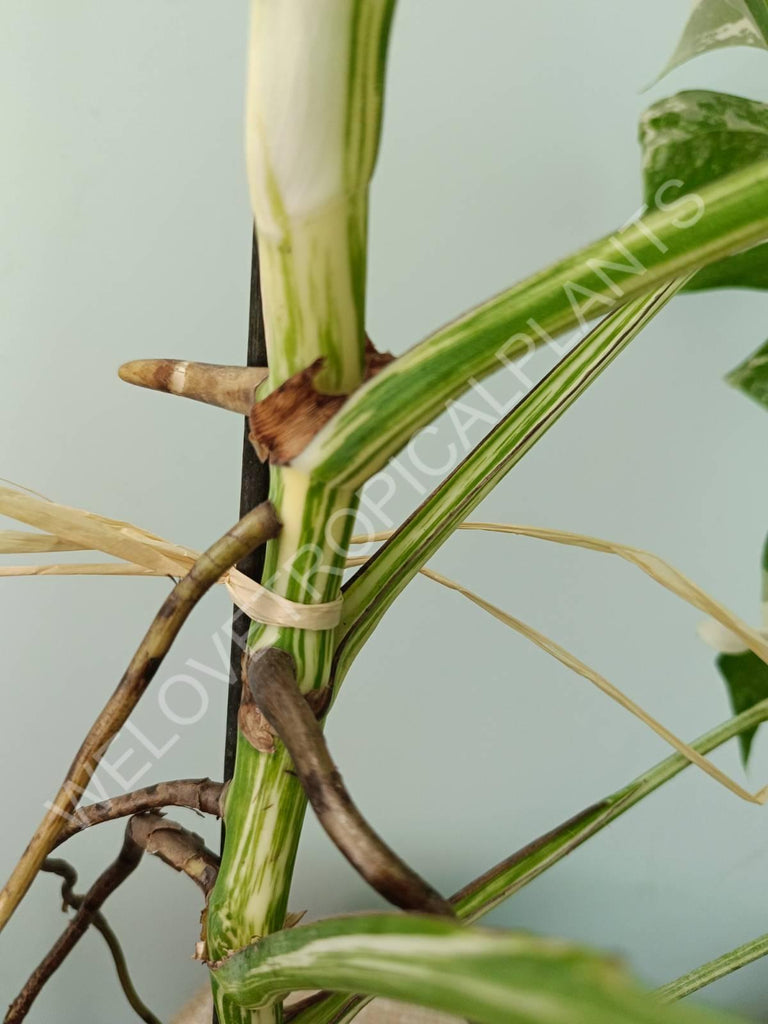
(316,72)
(377,584)
(714,970)
(724,217)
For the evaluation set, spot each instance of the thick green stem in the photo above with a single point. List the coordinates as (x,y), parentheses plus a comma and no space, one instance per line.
(316,72)
(265,804)
(313,117)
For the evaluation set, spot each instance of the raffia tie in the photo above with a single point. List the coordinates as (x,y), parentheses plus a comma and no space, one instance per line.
(141,554)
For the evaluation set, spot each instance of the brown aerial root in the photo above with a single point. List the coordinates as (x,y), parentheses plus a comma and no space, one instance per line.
(70,899)
(151,833)
(228,387)
(180,849)
(272,682)
(282,424)
(201,795)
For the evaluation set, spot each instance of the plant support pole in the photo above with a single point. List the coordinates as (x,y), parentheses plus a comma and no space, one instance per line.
(254,489)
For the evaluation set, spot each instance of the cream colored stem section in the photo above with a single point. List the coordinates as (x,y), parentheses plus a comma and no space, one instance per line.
(314,298)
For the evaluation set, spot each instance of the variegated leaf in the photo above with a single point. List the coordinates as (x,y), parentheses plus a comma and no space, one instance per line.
(714,24)
(751,376)
(692,139)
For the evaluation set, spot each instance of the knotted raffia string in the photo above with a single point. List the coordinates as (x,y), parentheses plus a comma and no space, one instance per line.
(142,554)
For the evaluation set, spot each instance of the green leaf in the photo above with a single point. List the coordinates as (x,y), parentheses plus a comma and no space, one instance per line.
(746,677)
(490,977)
(714,24)
(751,376)
(691,140)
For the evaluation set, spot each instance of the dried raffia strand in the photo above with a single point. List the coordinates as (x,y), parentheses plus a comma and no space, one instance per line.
(78,569)
(19,542)
(254,600)
(94,532)
(577,666)
(659,570)
(142,554)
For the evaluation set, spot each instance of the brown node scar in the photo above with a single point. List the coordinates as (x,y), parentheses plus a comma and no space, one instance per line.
(283,423)
(254,725)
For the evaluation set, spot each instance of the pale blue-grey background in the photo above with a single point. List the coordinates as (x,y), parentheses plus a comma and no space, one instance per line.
(509,139)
